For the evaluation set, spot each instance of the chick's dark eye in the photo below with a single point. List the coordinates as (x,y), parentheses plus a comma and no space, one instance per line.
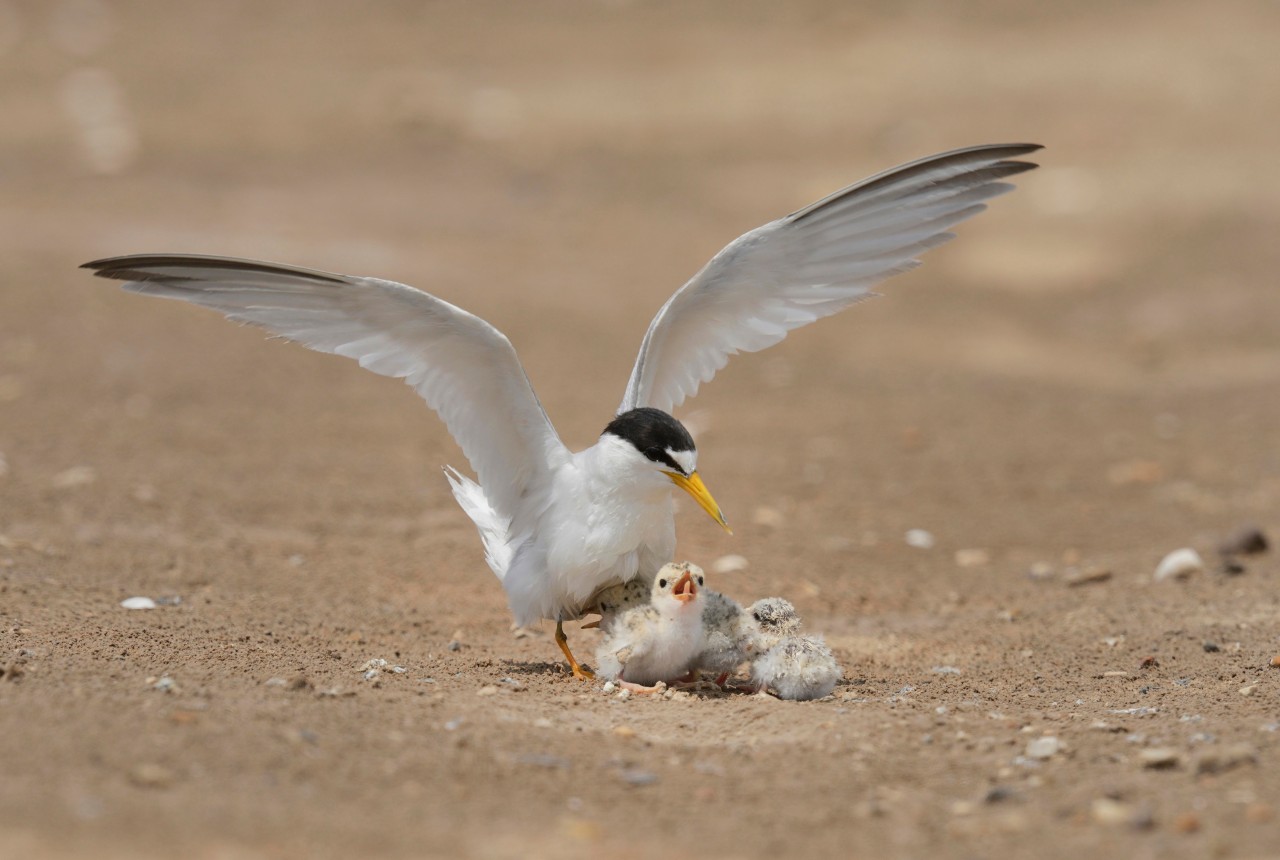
(662,583)
(701,580)
(756,616)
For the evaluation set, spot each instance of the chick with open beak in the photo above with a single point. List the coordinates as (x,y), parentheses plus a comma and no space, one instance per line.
(655,641)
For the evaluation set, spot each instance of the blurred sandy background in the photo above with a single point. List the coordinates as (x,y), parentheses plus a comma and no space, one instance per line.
(1085,380)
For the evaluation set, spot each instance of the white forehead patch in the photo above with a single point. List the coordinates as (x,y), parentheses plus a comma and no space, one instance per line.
(687,460)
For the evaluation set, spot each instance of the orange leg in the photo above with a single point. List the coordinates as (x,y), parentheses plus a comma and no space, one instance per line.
(582,673)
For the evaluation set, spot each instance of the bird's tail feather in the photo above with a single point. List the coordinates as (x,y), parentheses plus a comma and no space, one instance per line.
(494,529)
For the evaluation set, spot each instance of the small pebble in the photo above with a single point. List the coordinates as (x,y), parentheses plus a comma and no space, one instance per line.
(1248,540)
(768,517)
(1211,648)
(1179,564)
(1227,758)
(624,731)
(1259,813)
(633,776)
(276,682)
(1088,576)
(972,557)
(487,690)
(1159,758)
(138,603)
(1040,570)
(1043,748)
(729,564)
(149,775)
(1275,661)
(76,476)
(919,538)
(1187,822)
(1108,811)
(165,685)
(609,686)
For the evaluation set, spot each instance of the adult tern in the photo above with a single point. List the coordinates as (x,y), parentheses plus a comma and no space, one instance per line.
(558,526)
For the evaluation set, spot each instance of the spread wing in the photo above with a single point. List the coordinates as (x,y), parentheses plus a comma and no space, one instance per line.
(464,368)
(811,264)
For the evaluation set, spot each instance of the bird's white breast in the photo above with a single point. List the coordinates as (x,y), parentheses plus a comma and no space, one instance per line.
(607,517)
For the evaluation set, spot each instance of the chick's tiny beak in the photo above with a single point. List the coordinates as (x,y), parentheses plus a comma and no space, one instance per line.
(693,486)
(685,588)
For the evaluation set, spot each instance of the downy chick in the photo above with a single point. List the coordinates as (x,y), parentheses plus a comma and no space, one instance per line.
(655,641)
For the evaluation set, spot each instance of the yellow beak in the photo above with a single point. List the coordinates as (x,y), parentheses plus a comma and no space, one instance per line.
(693,486)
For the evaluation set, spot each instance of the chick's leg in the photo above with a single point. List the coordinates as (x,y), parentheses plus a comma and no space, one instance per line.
(580,672)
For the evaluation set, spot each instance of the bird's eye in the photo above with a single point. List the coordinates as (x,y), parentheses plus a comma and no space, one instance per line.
(756,616)
(662,583)
(701,580)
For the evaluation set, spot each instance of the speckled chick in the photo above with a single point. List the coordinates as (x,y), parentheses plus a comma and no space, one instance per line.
(608,602)
(768,622)
(658,640)
(726,630)
(797,667)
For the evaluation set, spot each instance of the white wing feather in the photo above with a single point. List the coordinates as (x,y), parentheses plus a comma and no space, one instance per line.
(811,264)
(462,366)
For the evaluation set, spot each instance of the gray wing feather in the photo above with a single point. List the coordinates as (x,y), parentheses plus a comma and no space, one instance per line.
(462,366)
(813,263)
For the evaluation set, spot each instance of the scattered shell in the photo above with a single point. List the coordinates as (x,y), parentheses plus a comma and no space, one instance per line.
(624,731)
(1159,758)
(1043,748)
(609,686)
(945,670)
(919,538)
(1249,690)
(275,682)
(972,557)
(1247,540)
(138,603)
(1179,564)
(487,690)
(1275,661)
(729,564)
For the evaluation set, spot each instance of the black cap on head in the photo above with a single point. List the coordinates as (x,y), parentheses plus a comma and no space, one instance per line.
(653,433)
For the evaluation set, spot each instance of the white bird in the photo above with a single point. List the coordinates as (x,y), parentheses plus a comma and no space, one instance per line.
(791,664)
(797,667)
(558,525)
(658,640)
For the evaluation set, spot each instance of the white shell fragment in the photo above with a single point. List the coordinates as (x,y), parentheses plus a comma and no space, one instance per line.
(1179,564)
(1043,748)
(138,603)
(729,564)
(919,538)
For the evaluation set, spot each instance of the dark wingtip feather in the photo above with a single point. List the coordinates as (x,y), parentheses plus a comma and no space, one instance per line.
(150,267)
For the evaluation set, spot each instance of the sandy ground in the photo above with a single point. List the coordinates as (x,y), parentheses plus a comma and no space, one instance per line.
(1086,380)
